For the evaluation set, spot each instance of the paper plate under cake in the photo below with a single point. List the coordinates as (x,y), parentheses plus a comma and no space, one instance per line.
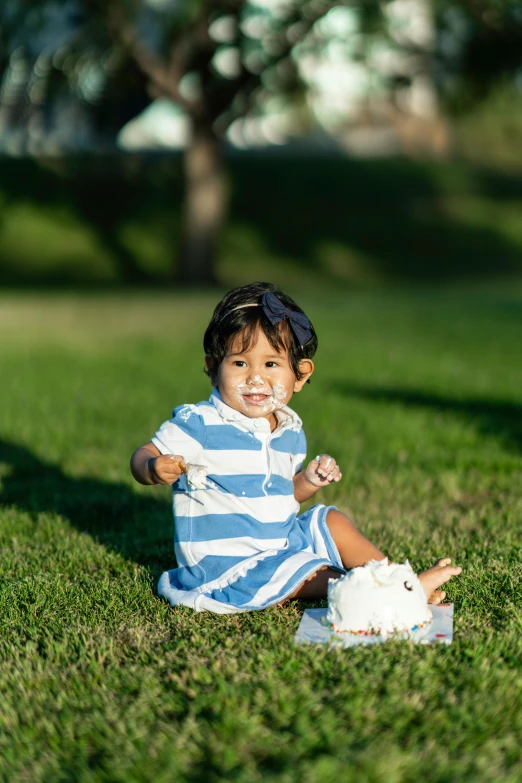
(375,603)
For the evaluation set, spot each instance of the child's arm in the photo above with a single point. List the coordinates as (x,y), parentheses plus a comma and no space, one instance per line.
(320,472)
(149,466)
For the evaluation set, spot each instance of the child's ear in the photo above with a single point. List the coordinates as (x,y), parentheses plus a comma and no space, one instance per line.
(210,364)
(306,368)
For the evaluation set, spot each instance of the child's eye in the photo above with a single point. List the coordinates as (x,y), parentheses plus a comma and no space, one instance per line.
(239,363)
(271,364)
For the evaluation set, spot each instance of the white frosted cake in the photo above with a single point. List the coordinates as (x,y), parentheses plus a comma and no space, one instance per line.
(378,598)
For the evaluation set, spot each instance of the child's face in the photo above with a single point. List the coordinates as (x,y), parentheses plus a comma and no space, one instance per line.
(259,381)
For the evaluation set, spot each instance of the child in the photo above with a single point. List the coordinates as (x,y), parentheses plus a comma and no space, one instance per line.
(240,542)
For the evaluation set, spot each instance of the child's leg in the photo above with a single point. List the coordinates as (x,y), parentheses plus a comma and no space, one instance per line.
(315,586)
(355,550)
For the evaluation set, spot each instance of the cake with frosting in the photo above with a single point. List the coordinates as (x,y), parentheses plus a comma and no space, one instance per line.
(378,598)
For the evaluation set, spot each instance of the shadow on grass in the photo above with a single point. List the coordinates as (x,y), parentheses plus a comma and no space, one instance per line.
(396,213)
(497,418)
(137,527)
(347,220)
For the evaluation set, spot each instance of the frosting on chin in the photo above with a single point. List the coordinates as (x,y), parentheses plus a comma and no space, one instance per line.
(378,598)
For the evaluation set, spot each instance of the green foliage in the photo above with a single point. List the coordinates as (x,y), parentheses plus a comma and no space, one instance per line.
(417,396)
(493,129)
(478,50)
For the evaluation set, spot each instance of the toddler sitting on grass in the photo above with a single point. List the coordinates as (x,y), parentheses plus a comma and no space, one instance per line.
(240,541)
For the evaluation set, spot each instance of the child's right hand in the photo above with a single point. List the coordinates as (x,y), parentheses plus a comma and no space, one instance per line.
(167,468)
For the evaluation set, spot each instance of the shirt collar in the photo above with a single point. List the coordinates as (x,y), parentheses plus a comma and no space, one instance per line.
(287,418)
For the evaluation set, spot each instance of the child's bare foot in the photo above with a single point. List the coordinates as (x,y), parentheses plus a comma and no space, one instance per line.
(436,576)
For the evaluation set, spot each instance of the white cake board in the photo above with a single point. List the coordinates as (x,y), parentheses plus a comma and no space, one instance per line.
(312,630)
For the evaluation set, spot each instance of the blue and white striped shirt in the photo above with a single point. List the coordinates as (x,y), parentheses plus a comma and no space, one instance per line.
(239,542)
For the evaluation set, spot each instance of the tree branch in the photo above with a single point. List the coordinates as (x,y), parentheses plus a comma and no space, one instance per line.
(164,78)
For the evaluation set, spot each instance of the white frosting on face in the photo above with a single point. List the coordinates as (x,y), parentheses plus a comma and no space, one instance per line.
(276,398)
(379,597)
(261,370)
(279,394)
(197,476)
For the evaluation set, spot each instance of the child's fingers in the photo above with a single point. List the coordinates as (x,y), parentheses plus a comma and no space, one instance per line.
(168,468)
(312,473)
(335,475)
(323,470)
(327,466)
(324,465)
(177,461)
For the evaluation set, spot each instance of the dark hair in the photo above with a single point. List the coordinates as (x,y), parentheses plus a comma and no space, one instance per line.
(227,323)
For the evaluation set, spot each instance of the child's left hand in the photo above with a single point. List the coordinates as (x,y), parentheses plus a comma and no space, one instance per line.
(322,470)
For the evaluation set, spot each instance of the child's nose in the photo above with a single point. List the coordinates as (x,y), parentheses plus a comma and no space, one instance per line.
(255,379)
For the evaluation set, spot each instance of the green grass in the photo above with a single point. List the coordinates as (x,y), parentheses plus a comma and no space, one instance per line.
(418,395)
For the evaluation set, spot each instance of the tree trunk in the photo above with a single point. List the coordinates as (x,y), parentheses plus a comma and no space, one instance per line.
(204,209)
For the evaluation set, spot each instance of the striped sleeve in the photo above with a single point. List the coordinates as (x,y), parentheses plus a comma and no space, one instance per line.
(183,434)
(299,454)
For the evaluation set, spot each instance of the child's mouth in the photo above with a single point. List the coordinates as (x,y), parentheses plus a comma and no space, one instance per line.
(256,399)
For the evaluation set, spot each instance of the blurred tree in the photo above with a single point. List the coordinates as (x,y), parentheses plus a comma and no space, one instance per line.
(66,87)
(217,59)
(100,62)
(479,47)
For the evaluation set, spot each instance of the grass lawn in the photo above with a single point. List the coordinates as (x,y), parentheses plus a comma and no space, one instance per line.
(418,396)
